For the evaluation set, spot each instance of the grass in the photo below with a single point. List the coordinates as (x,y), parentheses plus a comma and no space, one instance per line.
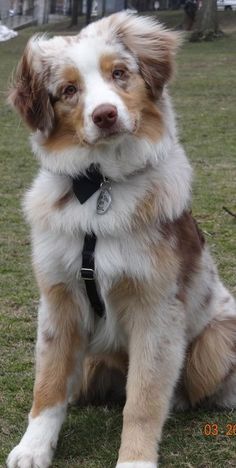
(204,96)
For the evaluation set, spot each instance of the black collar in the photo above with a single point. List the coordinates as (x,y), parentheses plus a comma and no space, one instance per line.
(84,186)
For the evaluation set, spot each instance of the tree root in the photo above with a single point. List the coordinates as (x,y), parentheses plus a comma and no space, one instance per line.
(208,35)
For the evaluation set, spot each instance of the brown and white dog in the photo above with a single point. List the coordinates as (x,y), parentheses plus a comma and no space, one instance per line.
(100,98)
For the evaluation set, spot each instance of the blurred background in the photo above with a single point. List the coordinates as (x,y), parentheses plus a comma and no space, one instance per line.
(16,14)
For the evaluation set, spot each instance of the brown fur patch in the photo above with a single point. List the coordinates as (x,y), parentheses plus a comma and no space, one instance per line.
(146,211)
(156,74)
(110,62)
(142,423)
(140,105)
(56,361)
(148,117)
(189,245)
(138,100)
(129,295)
(30,97)
(153,46)
(210,359)
(69,120)
(189,248)
(179,251)
(123,293)
(107,62)
(151,125)
(70,75)
(68,130)
(61,202)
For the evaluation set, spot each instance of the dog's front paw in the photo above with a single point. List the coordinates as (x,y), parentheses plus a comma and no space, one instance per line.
(23,456)
(136,464)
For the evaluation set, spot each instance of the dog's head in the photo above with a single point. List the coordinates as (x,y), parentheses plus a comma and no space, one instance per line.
(93,88)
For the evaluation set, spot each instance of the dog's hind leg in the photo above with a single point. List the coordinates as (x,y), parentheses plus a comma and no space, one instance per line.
(210,370)
(225,396)
(104,379)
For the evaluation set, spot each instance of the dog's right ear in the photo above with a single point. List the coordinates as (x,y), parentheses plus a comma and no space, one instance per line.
(29,94)
(151,44)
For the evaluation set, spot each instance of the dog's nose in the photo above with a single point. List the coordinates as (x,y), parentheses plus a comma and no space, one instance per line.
(105,115)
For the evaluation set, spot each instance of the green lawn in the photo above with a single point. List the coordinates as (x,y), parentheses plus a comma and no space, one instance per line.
(205,97)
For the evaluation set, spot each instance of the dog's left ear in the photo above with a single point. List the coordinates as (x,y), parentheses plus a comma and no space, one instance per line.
(29,94)
(153,46)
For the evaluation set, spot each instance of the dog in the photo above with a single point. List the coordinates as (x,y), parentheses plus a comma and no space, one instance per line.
(131,301)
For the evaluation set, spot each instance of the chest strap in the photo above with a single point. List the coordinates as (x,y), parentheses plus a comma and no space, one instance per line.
(84,186)
(87,272)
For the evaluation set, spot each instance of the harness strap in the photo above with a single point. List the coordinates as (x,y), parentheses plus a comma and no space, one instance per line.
(88,274)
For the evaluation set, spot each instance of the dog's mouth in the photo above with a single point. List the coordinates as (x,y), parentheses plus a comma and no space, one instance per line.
(108,136)
(105,139)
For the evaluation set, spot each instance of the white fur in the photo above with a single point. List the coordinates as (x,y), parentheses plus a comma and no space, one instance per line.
(134,167)
(39,441)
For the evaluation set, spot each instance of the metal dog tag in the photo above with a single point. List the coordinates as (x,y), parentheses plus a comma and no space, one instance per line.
(104,199)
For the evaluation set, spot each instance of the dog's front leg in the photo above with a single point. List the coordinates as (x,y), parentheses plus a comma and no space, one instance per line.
(155,357)
(59,348)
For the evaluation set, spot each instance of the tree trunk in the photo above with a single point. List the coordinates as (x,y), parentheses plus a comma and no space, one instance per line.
(206,25)
(42,11)
(89,11)
(74,12)
(103,7)
(53,5)
(80,7)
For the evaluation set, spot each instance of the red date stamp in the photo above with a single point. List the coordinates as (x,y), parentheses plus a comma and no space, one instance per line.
(213,430)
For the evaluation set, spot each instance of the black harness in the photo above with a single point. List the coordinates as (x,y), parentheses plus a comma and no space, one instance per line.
(84,187)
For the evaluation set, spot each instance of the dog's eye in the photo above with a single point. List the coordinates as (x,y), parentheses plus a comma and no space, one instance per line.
(118,74)
(70,90)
